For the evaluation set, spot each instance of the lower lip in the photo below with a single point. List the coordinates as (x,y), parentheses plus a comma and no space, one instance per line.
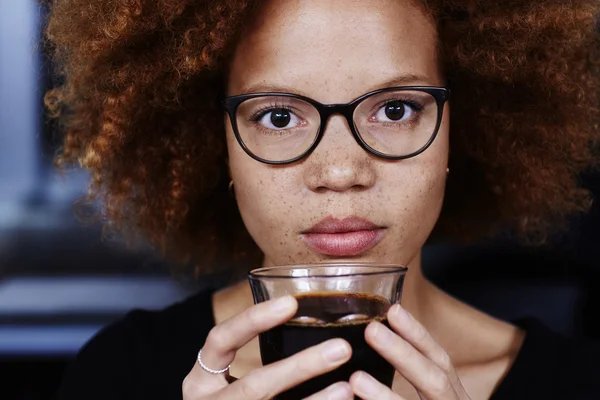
(343,244)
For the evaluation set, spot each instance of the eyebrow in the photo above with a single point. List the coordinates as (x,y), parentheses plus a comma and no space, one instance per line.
(403,80)
(406,80)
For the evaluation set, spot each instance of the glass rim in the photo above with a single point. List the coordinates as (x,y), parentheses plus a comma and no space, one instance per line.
(386,269)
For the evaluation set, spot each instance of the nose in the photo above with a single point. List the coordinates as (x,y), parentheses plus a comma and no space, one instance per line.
(338,163)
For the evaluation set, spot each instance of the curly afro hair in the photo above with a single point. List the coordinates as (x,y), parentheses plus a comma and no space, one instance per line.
(138,85)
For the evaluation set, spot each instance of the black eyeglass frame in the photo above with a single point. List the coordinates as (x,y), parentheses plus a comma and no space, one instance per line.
(232,103)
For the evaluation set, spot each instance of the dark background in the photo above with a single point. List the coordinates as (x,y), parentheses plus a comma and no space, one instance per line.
(60,283)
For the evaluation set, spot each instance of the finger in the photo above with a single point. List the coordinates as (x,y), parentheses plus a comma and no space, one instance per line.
(414,333)
(270,380)
(337,391)
(226,338)
(369,388)
(420,371)
(411,330)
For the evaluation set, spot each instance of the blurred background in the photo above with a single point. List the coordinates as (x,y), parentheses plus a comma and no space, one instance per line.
(60,282)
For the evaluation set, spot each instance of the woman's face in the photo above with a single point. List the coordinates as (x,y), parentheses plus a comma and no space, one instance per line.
(340,202)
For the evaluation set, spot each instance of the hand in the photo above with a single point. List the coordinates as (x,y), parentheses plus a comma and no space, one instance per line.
(415,355)
(266,382)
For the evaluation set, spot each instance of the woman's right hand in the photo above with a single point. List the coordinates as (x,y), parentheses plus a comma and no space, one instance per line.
(266,382)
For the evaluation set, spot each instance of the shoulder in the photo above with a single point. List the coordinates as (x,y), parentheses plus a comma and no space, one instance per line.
(552,366)
(573,359)
(580,366)
(144,347)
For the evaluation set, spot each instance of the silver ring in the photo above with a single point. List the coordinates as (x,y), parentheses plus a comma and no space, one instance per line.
(210,370)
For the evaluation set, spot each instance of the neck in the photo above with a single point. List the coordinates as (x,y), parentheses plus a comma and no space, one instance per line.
(421,298)
(467,334)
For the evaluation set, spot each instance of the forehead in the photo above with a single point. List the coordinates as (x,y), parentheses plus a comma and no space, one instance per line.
(334,50)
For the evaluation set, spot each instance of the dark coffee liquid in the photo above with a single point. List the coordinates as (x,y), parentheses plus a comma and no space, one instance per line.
(323,316)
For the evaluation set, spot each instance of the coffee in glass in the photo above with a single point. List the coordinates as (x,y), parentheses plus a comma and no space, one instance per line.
(334,301)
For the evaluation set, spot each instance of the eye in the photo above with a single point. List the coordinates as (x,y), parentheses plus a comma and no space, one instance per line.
(395,111)
(278,118)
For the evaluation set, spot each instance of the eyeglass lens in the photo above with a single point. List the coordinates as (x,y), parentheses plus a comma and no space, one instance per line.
(395,123)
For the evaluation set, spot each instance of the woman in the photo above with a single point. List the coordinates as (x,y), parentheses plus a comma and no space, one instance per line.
(167,102)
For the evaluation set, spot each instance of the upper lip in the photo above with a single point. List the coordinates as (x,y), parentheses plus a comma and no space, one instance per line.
(351,224)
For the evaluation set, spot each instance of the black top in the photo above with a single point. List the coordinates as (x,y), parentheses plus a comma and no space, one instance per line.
(147,354)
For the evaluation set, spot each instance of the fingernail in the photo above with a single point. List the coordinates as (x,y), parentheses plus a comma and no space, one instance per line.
(339,391)
(336,350)
(381,332)
(282,304)
(398,311)
(367,385)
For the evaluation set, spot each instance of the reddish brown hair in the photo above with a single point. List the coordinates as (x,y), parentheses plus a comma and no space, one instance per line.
(139,84)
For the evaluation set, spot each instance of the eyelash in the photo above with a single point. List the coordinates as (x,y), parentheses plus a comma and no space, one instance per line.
(416,106)
(258,114)
(411,103)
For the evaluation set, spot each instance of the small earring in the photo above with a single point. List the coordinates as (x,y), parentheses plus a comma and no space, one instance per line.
(231,189)
(447,171)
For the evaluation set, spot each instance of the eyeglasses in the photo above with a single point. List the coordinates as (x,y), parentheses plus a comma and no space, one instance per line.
(393,123)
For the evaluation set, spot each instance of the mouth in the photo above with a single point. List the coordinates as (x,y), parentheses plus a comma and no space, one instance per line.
(343,238)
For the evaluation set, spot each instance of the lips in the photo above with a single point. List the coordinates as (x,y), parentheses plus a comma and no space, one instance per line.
(342,238)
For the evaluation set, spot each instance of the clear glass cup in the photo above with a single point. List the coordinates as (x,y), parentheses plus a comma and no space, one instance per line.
(335,300)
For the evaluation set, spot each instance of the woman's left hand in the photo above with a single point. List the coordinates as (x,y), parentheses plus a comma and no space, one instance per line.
(415,355)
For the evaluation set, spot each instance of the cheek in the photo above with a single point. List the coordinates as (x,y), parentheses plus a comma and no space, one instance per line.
(410,204)
(261,195)
(257,185)
(414,201)
(265,198)
(419,203)
(271,215)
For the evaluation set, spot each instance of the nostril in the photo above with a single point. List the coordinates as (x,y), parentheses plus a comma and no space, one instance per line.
(334,188)
(339,173)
